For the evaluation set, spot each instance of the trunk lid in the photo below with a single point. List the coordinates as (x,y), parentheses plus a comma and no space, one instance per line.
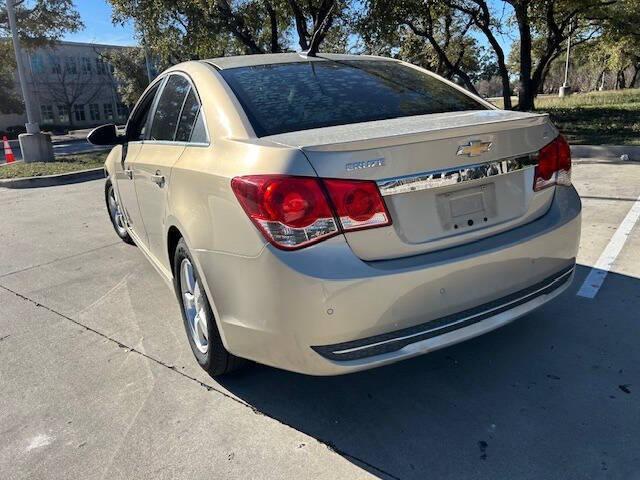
(447,179)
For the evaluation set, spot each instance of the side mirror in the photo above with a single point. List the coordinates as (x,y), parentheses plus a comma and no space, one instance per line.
(104,135)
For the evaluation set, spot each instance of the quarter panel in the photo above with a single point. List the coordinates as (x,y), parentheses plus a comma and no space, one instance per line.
(202,200)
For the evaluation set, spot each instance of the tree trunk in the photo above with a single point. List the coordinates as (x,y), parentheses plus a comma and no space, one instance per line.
(482,20)
(237,26)
(273,20)
(301,24)
(621,81)
(502,67)
(636,71)
(526,93)
(70,110)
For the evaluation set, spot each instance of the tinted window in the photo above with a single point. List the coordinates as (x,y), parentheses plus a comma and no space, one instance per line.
(165,119)
(298,96)
(187,117)
(138,122)
(199,134)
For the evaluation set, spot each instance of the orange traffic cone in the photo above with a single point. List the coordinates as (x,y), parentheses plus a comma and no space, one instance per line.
(8,153)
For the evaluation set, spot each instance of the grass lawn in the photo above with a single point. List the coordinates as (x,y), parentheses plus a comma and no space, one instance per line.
(596,118)
(66,164)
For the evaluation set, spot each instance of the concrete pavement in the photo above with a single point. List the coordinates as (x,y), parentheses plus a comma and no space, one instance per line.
(98,380)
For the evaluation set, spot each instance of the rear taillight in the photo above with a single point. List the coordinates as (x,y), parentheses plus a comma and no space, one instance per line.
(358,204)
(294,212)
(554,165)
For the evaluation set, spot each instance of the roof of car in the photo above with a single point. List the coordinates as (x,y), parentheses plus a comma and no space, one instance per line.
(223,63)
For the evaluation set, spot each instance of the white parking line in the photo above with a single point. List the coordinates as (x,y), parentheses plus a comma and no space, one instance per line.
(598,273)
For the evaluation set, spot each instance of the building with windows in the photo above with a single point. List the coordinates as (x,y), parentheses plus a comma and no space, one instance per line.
(72,85)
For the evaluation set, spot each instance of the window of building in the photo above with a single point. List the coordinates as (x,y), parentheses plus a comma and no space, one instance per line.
(46,113)
(94,111)
(165,119)
(101,66)
(78,112)
(70,65)
(37,64)
(123,111)
(108,111)
(54,62)
(63,114)
(86,65)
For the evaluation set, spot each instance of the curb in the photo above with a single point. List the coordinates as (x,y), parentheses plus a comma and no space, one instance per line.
(606,151)
(53,180)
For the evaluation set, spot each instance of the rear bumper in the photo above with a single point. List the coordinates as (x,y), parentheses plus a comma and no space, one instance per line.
(323,311)
(528,299)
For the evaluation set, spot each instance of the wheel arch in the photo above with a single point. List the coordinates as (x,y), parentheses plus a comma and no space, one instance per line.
(173,237)
(174,233)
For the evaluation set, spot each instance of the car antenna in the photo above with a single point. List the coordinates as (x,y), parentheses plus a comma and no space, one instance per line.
(313,46)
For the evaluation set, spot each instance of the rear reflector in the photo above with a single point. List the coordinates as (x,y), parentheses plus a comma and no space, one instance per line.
(294,212)
(554,165)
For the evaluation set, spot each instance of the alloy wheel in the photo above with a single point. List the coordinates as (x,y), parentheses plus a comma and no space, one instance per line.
(194,305)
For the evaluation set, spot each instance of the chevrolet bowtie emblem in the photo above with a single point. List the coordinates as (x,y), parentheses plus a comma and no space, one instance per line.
(474,148)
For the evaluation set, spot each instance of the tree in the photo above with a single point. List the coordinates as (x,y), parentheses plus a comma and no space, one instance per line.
(543,27)
(619,45)
(554,21)
(39,22)
(10,102)
(427,32)
(191,29)
(129,72)
(484,20)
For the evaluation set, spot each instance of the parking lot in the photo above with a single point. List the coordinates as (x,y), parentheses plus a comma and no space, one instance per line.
(98,380)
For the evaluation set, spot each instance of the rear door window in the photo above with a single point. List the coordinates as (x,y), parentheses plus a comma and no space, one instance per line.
(288,97)
(188,117)
(165,119)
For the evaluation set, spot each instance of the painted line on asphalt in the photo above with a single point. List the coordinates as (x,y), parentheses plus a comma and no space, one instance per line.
(598,273)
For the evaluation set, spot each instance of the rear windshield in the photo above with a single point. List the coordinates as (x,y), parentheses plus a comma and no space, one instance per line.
(298,96)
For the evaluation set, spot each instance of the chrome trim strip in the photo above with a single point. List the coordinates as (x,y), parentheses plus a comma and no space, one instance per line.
(464,319)
(453,176)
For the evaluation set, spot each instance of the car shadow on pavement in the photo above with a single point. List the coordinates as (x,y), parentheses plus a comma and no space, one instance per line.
(552,395)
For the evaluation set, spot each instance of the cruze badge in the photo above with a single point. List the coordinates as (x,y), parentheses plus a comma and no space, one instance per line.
(378,162)
(474,148)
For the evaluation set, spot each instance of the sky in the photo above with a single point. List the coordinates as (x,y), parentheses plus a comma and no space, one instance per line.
(96,15)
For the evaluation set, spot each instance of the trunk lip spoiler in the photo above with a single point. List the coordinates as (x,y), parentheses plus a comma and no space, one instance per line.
(402,131)
(455,175)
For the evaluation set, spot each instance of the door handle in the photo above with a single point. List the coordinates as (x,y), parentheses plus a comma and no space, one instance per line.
(158,179)
(128,173)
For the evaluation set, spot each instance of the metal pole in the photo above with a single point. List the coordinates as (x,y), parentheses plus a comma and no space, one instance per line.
(31,125)
(147,62)
(566,66)
(565,90)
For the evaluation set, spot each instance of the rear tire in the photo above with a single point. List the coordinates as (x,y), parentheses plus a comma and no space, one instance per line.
(115,213)
(197,315)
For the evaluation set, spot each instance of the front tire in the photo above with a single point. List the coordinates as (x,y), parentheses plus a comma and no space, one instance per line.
(199,321)
(115,213)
